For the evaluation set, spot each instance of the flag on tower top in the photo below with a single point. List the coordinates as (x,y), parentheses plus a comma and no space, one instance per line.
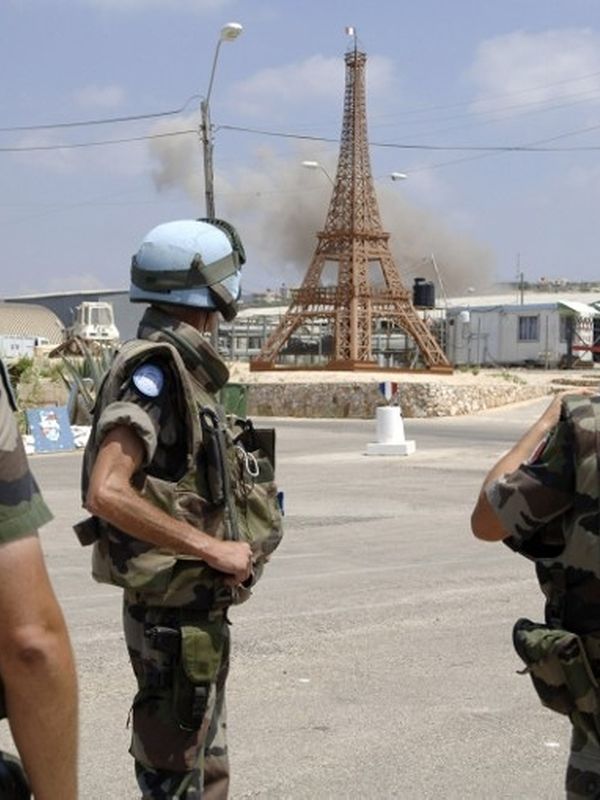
(350,31)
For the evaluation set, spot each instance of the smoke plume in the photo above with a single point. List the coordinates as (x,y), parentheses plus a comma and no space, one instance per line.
(278,206)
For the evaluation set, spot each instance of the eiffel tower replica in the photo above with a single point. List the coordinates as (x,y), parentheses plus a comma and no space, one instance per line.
(354,242)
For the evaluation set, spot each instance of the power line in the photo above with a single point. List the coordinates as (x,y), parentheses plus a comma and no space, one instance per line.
(531,147)
(78,145)
(482,100)
(528,148)
(400,117)
(494,115)
(102,121)
(433,147)
(405,112)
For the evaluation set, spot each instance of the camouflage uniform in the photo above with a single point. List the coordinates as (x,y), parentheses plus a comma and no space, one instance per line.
(550,506)
(22,508)
(22,512)
(175,606)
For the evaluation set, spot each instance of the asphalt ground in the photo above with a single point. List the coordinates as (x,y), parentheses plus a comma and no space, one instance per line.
(375,658)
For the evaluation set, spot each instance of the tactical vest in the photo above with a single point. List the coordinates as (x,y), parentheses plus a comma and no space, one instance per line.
(569,575)
(227,490)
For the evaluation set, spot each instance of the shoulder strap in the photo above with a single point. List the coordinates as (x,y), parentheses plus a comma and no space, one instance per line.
(5,379)
(134,352)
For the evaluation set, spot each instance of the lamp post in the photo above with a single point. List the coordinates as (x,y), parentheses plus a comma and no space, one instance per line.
(318,165)
(229,32)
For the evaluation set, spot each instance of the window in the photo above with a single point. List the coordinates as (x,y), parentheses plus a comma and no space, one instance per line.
(528,329)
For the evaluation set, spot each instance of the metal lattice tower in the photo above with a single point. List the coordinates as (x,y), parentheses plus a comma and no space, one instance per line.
(353,242)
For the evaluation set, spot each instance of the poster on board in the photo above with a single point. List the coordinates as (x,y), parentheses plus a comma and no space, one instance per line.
(51,429)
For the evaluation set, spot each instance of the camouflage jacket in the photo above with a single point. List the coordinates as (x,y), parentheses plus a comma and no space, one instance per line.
(22,509)
(550,506)
(177,473)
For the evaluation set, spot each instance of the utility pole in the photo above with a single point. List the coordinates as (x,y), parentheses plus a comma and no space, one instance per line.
(229,32)
(207,152)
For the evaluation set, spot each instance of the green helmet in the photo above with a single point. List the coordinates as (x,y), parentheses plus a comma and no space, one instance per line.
(190,263)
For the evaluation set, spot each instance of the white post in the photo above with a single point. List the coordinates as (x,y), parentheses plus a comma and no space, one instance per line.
(390,434)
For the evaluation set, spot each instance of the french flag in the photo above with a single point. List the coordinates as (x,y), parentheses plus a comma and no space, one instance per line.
(388,389)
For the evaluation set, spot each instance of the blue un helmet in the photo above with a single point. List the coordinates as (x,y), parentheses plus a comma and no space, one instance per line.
(190,262)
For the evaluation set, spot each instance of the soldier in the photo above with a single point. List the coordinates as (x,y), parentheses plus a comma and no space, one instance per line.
(176,498)
(39,690)
(543,499)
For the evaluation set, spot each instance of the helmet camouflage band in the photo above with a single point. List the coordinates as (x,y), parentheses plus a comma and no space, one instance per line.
(191,263)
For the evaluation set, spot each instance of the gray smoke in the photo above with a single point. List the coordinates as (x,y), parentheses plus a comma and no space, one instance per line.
(418,236)
(278,206)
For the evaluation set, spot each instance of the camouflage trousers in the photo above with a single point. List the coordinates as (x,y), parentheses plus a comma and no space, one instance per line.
(180,658)
(583,770)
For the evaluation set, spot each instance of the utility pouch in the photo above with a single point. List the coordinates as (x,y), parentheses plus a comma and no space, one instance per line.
(558,666)
(87,531)
(258,500)
(213,456)
(166,640)
(253,439)
(196,673)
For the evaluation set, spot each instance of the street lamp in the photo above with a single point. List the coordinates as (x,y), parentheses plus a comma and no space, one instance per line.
(317,165)
(229,32)
(398,176)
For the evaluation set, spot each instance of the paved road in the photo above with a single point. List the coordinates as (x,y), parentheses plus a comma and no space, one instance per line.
(375,659)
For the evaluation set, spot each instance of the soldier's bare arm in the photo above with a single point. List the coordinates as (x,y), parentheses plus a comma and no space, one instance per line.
(112,497)
(36,661)
(485,523)
(37,669)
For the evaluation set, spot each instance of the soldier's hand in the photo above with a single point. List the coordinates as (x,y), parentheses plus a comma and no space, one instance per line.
(232,558)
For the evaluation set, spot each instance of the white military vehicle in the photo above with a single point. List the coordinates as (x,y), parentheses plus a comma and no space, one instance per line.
(94,322)
(93,328)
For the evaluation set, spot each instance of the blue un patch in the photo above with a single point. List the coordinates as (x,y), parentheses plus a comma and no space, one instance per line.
(149,380)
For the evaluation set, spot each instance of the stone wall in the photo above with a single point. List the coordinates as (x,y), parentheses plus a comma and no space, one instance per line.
(353,400)
(42,392)
(359,400)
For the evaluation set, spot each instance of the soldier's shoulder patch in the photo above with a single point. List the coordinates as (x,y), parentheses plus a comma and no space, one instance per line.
(149,380)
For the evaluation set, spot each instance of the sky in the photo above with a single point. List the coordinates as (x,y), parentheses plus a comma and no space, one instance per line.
(455,91)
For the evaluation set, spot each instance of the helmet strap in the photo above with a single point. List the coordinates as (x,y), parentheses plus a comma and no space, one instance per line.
(224,301)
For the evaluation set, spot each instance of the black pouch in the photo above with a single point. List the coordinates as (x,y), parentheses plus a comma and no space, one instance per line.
(87,531)
(196,672)
(253,439)
(213,456)
(559,667)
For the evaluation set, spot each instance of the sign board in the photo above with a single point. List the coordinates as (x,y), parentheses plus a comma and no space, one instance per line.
(51,429)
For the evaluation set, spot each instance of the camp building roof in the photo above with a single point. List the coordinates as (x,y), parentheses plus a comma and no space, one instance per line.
(28,320)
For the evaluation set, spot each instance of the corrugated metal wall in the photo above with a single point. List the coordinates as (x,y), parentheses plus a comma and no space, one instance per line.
(30,320)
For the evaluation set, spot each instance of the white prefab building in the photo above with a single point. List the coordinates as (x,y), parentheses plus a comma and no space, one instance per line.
(532,334)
